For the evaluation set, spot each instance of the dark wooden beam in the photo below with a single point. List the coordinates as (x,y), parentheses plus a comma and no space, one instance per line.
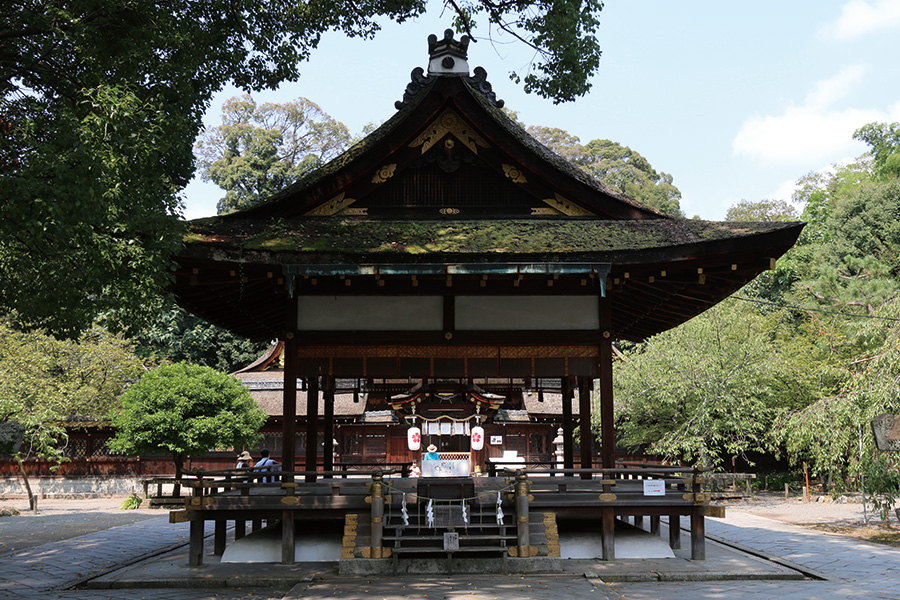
(289,403)
(567,425)
(585,385)
(607,412)
(312,418)
(328,426)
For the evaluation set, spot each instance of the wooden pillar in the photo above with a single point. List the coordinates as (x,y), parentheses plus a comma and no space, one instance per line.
(608,532)
(568,434)
(674,532)
(195,549)
(289,424)
(219,537)
(287,537)
(607,413)
(240,529)
(328,427)
(585,385)
(698,534)
(377,521)
(654,524)
(522,517)
(312,418)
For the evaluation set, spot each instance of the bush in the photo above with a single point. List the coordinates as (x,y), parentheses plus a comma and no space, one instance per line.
(883,484)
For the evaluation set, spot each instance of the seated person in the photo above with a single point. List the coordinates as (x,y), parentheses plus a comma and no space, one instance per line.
(432,453)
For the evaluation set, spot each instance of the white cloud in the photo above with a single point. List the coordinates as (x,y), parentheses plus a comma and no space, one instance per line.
(813,131)
(859,18)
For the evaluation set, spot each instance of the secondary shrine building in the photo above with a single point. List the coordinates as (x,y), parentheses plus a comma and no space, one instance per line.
(449,272)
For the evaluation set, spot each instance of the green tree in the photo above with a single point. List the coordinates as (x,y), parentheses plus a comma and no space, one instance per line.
(617,166)
(884,141)
(261,149)
(100,104)
(185,410)
(826,433)
(766,211)
(48,384)
(711,388)
(178,336)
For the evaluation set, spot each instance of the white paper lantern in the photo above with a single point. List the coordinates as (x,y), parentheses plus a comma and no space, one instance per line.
(414,439)
(477,435)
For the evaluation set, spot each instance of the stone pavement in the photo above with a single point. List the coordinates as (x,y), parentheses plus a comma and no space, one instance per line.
(850,568)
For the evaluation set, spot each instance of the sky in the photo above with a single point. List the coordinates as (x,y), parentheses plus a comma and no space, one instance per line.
(736,100)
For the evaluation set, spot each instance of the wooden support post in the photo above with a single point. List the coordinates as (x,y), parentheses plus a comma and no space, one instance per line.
(698,524)
(567,425)
(289,424)
(639,521)
(585,385)
(377,515)
(328,427)
(219,537)
(287,537)
(195,549)
(608,531)
(255,525)
(522,518)
(698,534)
(312,434)
(674,532)
(240,529)
(607,413)
(654,524)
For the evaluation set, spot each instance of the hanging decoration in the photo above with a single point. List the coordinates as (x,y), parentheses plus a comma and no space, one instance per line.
(429,514)
(500,514)
(465,513)
(477,438)
(404,512)
(414,438)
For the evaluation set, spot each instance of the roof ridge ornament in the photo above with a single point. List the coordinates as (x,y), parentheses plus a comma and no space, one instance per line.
(447,58)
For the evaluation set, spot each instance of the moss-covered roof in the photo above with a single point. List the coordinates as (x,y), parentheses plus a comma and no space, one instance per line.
(352,236)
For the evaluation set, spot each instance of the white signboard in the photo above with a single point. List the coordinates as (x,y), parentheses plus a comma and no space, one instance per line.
(445,468)
(654,487)
(496,440)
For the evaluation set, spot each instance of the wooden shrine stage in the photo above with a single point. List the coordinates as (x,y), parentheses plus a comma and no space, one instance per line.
(382,515)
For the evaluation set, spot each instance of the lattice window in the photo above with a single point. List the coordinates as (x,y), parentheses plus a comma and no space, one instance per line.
(537,444)
(77,449)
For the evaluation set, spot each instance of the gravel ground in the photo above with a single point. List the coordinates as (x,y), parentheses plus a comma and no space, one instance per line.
(820,509)
(61,519)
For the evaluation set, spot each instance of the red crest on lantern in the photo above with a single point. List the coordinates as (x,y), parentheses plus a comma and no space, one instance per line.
(477,435)
(414,439)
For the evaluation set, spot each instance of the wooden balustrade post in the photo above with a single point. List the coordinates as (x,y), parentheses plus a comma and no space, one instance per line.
(377,514)
(522,517)
(698,525)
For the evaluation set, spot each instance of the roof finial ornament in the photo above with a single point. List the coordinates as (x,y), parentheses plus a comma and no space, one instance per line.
(447,56)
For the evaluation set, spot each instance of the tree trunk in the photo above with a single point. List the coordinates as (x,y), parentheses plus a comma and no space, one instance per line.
(179,472)
(32,500)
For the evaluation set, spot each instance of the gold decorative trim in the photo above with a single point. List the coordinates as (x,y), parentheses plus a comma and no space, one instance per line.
(523,551)
(449,122)
(357,212)
(607,497)
(449,211)
(567,208)
(332,207)
(290,500)
(384,173)
(544,210)
(512,172)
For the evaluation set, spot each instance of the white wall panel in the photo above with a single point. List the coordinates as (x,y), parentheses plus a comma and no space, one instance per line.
(370,313)
(513,313)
